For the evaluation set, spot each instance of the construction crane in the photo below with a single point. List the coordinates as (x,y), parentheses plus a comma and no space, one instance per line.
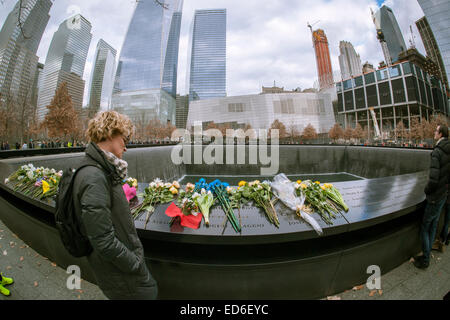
(412,41)
(311,25)
(163,5)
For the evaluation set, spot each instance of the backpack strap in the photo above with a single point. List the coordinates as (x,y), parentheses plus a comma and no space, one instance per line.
(108,176)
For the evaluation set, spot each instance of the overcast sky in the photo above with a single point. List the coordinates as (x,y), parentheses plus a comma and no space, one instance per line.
(266,40)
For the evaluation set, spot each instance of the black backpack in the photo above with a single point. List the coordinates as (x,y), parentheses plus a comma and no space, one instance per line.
(67,221)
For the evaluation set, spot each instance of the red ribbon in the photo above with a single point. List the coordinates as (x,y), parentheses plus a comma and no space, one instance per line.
(191,221)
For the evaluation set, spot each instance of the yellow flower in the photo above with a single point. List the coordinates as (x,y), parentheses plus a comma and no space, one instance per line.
(303,186)
(257,182)
(317,182)
(45,186)
(242,183)
(323,187)
(173,190)
(299,181)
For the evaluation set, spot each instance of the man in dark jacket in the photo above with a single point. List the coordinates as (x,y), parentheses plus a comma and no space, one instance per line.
(117,259)
(436,192)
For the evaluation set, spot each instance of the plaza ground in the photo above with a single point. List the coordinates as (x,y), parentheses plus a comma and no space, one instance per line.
(37,278)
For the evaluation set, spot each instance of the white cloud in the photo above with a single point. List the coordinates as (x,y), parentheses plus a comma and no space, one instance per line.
(266,40)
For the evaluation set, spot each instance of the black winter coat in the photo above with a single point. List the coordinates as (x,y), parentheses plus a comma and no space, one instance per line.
(436,188)
(117,259)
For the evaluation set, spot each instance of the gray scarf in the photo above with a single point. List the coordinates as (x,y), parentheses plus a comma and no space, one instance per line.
(120,165)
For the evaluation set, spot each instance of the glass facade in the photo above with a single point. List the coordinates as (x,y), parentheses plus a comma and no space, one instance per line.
(389,33)
(18,60)
(399,93)
(102,79)
(148,62)
(207,55)
(66,59)
(438,16)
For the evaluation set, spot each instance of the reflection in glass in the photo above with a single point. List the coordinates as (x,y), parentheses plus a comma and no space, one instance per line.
(207,55)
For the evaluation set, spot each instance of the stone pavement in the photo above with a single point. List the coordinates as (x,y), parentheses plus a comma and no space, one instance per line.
(37,278)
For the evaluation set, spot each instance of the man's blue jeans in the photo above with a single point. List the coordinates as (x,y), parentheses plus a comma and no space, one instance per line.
(444,233)
(429,226)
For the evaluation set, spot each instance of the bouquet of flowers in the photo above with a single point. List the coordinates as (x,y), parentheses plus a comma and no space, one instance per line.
(185,200)
(221,190)
(132,182)
(317,198)
(285,190)
(334,195)
(38,183)
(236,197)
(204,201)
(130,186)
(261,194)
(156,192)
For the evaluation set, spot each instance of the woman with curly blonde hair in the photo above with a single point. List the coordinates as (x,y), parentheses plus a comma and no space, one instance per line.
(117,257)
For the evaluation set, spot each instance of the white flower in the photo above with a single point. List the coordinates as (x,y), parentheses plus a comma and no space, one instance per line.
(229,189)
(184,201)
(168,185)
(157,180)
(210,193)
(195,195)
(30,175)
(6,181)
(296,185)
(152,185)
(159,184)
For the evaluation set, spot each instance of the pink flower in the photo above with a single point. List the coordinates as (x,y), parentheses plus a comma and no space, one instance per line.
(130,192)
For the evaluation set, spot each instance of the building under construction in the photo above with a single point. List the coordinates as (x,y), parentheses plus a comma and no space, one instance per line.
(323,60)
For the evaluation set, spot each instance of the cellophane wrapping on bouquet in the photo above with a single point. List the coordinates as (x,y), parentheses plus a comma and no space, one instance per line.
(284,190)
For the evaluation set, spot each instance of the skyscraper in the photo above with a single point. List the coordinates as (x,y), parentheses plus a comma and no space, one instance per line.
(438,16)
(389,34)
(18,47)
(432,48)
(65,62)
(323,60)
(207,55)
(102,78)
(146,78)
(349,61)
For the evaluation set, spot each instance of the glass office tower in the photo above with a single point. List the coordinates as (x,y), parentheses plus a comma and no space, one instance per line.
(207,55)
(389,34)
(438,16)
(18,60)
(102,78)
(146,78)
(65,62)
